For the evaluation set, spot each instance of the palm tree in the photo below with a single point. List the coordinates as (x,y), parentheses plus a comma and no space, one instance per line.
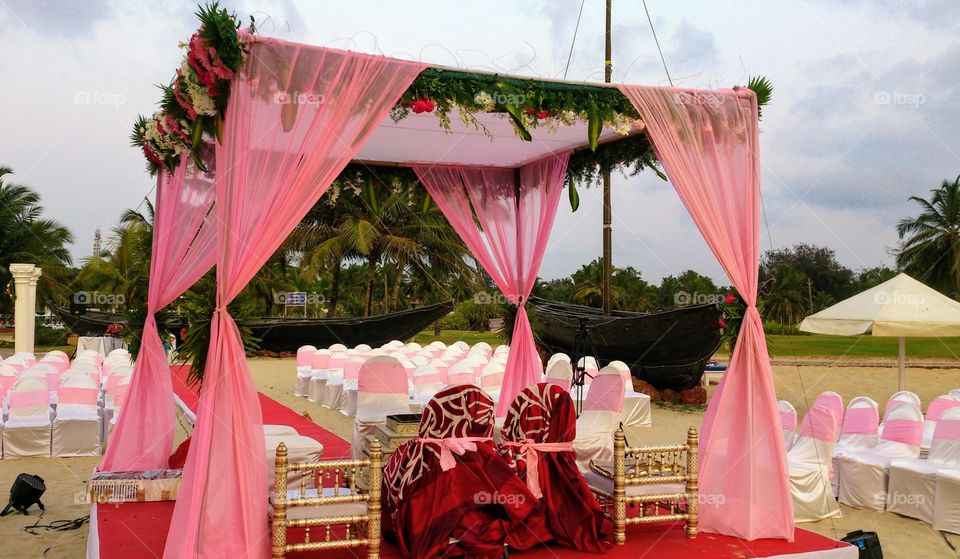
(785,302)
(928,243)
(25,236)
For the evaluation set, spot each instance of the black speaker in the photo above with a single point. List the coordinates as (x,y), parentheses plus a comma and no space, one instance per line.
(867,542)
(25,492)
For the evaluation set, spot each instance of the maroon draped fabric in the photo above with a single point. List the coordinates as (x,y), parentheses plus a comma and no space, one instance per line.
(568,512)
(477,502)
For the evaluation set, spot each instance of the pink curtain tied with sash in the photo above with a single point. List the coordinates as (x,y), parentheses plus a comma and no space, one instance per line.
(297,116)
(708,144)
(508,238)
(182,252)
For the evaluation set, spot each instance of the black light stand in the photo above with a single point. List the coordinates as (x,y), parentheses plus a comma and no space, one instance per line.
(582,348)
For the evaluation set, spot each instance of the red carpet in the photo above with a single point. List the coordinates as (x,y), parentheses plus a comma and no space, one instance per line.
(139,530)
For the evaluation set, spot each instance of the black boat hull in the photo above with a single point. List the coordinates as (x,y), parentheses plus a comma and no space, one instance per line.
(668,349)
(289,334)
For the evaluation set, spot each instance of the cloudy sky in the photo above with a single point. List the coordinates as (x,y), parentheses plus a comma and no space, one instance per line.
(865,111)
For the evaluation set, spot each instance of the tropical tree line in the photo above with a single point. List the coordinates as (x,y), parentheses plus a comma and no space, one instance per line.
(377,243)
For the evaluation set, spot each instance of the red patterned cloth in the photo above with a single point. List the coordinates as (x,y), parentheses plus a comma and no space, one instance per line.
(462,511)
(568,513)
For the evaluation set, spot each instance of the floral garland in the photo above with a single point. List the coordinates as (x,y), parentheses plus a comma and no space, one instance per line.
(194,102)
(528,103)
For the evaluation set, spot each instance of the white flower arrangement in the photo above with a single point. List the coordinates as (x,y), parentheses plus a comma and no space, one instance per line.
(202,103)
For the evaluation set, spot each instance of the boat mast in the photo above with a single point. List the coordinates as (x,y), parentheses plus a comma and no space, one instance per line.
(607,210)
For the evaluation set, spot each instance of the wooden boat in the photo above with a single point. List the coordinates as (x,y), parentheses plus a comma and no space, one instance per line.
(288,334)
(668,349)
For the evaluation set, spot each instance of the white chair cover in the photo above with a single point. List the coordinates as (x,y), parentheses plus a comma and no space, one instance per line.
(381,391)
(77,428)
(491,379)
(833,402)
(809,461)
(461,373)
(946,503)
(598,421)
(788,422)
(26,431)
(427,381)
(913,483)
(859,433)
(937,407)
(557,357)
(332,396)
(313,384)
(863,474)
(304,355)
(561,374)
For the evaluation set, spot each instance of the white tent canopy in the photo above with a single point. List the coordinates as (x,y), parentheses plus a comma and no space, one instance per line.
(900,307)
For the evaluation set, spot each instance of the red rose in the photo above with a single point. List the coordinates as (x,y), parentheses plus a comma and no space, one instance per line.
(543,114)
(422,106)
(528,111)
(729,299)
(723,323)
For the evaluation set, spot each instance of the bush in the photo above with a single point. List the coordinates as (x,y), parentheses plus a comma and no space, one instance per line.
(775,328)
(472,315)
(50,337)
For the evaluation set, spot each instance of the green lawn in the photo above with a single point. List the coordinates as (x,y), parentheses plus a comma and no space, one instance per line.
(450,336)
(780,345)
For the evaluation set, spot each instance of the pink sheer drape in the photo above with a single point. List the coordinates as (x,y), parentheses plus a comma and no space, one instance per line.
(708,144)
(296,117)
(183,243)
(509,242)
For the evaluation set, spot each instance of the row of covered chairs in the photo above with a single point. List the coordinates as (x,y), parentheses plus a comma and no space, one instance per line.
(55,407)
(904,464)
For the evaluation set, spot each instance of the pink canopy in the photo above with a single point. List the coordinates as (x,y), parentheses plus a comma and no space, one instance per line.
(296,118)
(708,143)
(504,216)
(182,252)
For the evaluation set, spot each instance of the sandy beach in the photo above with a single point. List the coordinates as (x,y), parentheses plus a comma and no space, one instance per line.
(901,537)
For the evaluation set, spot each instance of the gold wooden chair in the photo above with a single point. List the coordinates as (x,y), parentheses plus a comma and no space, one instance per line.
(660,480)
(335,499)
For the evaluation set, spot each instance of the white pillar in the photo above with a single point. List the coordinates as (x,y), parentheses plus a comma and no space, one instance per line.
(22,336)
(32,293)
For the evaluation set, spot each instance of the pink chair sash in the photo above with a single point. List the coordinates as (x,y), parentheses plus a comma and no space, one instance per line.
(53,381)
(494,380)
(939,405)
(77,396)
(304,357)
(606,394)
(6,383)
(820,424)
(788,420)
(320,361)
(454,445)
(531,453)
(113,382)
(861,421)
(947,430)
(383,383)
(832,402)
(903,431)
(433,378)
(29,399)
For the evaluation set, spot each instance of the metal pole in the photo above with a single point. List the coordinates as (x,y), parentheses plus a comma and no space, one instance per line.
(607,208)
(901,359)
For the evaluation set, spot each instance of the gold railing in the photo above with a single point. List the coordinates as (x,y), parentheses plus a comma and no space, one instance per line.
(651,465)
(359,531)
